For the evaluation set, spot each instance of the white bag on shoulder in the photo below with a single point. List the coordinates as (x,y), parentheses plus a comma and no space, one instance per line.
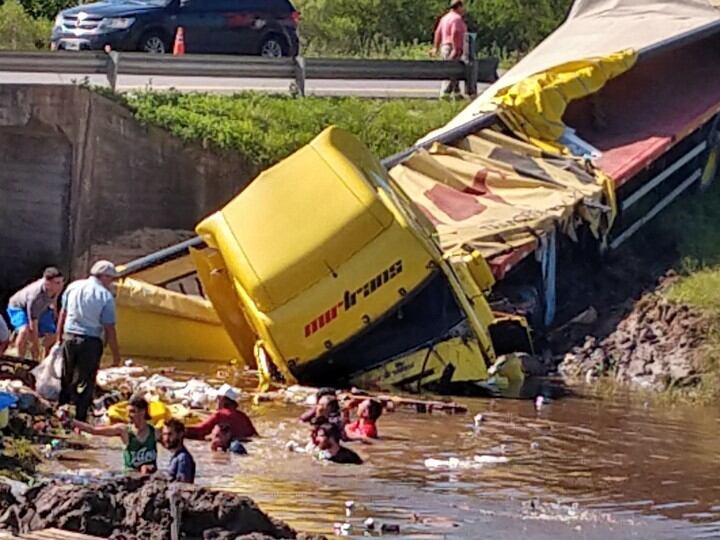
(47,374)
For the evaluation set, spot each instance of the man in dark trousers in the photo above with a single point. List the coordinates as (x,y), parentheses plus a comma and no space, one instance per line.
(87,314)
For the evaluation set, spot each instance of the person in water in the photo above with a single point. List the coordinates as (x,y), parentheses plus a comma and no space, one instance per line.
(140,454)
(309,415)
(182,464)
(227,412)
(327,437)
(365,427)
(221,440)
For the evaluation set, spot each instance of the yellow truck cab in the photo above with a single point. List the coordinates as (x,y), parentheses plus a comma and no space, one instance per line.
(340,279)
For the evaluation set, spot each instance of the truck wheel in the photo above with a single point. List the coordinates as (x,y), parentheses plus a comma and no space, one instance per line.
(154,42)
(274,46)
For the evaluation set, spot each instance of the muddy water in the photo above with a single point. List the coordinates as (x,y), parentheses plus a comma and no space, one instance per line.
(583,467)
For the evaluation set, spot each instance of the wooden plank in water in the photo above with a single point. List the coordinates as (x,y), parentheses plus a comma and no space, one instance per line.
(56,534)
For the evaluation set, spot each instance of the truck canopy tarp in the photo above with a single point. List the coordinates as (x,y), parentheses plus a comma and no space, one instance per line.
(595,31)
(494,193)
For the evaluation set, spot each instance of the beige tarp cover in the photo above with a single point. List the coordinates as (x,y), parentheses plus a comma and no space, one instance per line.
(494,193)
(598,29)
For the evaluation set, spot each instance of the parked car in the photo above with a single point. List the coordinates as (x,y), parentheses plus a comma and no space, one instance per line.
(246,27)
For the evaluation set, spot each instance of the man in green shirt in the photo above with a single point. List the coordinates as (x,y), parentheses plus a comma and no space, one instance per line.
(140,454)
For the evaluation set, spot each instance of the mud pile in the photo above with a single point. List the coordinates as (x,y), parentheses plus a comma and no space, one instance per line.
(134,508)
(657,345)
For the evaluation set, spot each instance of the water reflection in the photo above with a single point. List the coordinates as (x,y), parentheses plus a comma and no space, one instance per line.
(582,467)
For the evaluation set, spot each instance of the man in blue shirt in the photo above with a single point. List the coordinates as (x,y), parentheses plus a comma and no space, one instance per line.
(182,464)
(88,313)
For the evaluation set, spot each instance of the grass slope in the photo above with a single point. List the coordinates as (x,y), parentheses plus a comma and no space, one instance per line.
(694,225)
(266,128)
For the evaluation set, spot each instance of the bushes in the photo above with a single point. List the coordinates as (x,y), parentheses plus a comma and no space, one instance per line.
(47,9)
(267,128)
(19,31)
(362,27)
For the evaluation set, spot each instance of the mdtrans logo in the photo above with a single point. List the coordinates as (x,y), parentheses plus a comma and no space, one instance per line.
(350,298)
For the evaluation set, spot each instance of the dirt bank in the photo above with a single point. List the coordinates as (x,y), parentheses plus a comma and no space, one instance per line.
(133,245)
(139,509)
(617,322)
(658,345)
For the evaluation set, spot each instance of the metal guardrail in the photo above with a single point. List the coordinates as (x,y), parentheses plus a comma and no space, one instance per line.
(298,69)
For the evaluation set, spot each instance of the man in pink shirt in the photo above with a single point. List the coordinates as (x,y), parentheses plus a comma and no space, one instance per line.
(449,40)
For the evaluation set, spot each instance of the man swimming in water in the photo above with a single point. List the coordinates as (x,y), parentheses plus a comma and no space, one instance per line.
(327,437)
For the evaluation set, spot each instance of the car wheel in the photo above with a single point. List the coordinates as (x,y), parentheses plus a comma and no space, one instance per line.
(154,43)
(273,47)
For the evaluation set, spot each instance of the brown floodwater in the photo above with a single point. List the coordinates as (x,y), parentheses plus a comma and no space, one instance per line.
(583,467)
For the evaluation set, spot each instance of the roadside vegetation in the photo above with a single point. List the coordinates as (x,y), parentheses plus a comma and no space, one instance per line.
(19,30)
(267,128)
(353,28)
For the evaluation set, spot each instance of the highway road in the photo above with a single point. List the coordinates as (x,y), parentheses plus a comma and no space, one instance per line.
(360,88)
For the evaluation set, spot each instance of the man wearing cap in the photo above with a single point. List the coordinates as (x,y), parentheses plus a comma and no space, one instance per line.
(88,313)
(26,307)
(450,40)
(227,412)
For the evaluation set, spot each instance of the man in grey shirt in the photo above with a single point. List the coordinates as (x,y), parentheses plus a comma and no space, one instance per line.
(87,315)
(28,304)
(4,335)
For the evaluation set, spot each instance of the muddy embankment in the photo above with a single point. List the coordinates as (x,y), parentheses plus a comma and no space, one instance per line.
(619,325)
(133,508)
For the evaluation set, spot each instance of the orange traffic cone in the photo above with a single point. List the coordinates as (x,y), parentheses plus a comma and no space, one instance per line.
(179,46)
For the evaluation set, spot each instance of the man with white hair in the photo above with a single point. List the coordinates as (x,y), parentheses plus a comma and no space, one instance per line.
(87,314)
(227,414)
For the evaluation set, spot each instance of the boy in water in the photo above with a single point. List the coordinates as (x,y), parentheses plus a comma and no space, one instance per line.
(327,437)
(365,427)
(140,454)
(182,464)
(309,415)
(221,440)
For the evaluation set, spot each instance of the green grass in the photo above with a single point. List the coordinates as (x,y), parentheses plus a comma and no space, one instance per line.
(266,128)
(694,225)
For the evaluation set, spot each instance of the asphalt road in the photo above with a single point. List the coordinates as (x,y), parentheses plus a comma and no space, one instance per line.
(360,88)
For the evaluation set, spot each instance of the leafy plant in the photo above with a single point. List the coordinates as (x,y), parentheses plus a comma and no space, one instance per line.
(369,27)
(19,31)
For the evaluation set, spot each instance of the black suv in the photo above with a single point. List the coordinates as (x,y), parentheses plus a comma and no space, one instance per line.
(252,27)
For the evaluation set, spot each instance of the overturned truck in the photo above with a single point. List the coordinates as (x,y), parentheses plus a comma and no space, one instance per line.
(419,271)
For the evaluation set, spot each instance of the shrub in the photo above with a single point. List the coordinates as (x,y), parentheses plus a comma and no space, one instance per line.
(19,31)
(46,9)
(267,128)
(362,27)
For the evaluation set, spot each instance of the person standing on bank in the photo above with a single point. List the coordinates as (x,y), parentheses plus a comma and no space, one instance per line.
(450,40)
(88,312)
(27,306)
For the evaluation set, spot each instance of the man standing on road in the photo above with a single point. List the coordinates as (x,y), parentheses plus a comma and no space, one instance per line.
(26,307)
(449,41)
(88,312)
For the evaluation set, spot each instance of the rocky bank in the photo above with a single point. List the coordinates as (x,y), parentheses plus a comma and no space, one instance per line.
(133,508)
(657,345)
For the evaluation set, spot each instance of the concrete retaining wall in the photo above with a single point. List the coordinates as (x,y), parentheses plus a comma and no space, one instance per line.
(76,169)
